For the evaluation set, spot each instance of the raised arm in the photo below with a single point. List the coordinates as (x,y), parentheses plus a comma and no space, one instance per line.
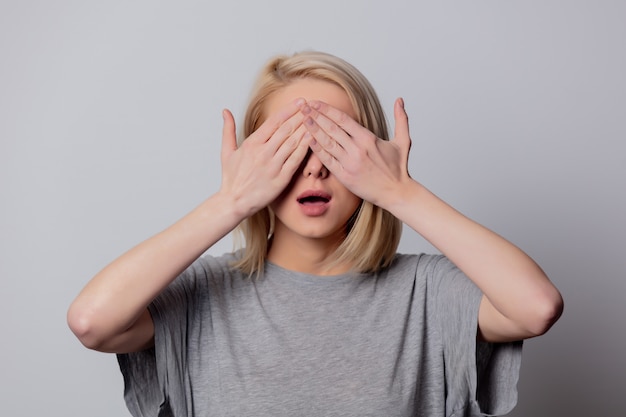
(519,300)
(110,314)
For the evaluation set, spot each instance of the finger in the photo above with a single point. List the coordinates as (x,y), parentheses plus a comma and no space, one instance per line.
(276,120)
(325,157)
(335,143)
(295,158)
(229,135)
(342,119)
(290,144)
(285,132)
(328,133)
(401,131)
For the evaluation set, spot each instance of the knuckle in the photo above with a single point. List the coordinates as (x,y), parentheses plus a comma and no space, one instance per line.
(286,129)
(333,128)
(288,167)
(292,142)
(370,137)
(263,154)
(274,122)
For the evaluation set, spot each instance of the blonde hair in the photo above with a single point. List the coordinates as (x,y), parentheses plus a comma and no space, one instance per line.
(372,234)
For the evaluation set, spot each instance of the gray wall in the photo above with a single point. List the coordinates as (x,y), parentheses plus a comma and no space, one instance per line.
(110,130)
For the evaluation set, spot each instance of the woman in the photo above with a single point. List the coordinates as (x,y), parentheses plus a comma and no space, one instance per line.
(317,314)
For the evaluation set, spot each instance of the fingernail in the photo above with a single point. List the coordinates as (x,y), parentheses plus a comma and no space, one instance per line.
(309,121)
(300,102)
(315,104)
(306,110)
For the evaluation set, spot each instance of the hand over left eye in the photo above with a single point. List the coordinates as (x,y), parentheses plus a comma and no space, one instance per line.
(370,167)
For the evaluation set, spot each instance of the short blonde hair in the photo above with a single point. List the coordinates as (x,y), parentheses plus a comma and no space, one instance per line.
(372,234)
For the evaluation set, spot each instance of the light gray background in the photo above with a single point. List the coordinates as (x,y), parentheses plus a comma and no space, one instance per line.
(110,130)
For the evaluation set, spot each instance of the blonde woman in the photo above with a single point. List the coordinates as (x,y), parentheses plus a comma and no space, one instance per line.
(317,315)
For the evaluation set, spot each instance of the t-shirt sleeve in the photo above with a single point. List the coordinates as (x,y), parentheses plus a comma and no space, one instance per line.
(481,378)
(156,380)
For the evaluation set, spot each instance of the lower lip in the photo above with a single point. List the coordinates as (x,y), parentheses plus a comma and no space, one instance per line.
(314,209)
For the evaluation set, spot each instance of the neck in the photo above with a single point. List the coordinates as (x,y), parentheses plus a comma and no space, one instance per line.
(305,255)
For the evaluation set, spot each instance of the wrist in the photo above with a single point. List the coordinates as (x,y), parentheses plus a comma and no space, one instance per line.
(405,194)
(224,206)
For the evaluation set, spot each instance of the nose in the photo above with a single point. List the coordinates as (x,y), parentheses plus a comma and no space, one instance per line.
(313,167)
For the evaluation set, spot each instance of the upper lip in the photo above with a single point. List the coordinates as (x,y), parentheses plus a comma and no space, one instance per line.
(314,194)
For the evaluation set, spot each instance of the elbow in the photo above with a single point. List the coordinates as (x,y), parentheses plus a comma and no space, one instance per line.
(546,311)
(81,324)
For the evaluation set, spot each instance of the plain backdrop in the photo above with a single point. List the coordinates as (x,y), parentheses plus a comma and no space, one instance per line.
(110,127)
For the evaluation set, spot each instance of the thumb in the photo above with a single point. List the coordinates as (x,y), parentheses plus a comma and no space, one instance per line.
(401,132)
(229,135)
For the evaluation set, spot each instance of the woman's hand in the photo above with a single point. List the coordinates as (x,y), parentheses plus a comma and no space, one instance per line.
(256,172)
(372,168)
(110,313)
(519,301)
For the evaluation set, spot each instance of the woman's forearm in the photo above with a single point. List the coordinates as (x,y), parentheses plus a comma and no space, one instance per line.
(118,295)
(511,281)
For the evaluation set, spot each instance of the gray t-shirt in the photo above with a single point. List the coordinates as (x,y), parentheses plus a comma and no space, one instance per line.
(401,342)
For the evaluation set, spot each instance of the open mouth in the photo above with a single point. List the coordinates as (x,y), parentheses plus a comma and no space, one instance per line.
(314,198)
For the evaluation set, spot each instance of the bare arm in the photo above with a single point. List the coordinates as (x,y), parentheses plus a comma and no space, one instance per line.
(110,314)
(519,300)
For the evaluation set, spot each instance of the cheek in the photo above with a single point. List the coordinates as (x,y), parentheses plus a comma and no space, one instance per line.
(285,194)
(280,205)
(353,199)
(352,203)
(276,205)
(357,205)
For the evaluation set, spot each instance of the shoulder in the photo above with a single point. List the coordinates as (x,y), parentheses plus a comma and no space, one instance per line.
(418,264)
(411,272)
(222,264)
(433,273)
(206,273)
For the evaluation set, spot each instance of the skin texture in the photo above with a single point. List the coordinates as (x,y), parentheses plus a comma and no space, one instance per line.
(302,242)
(311,141)
(110,314)
(519,300)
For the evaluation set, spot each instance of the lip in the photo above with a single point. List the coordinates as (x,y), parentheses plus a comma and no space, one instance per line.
(314,202)
(315,194)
